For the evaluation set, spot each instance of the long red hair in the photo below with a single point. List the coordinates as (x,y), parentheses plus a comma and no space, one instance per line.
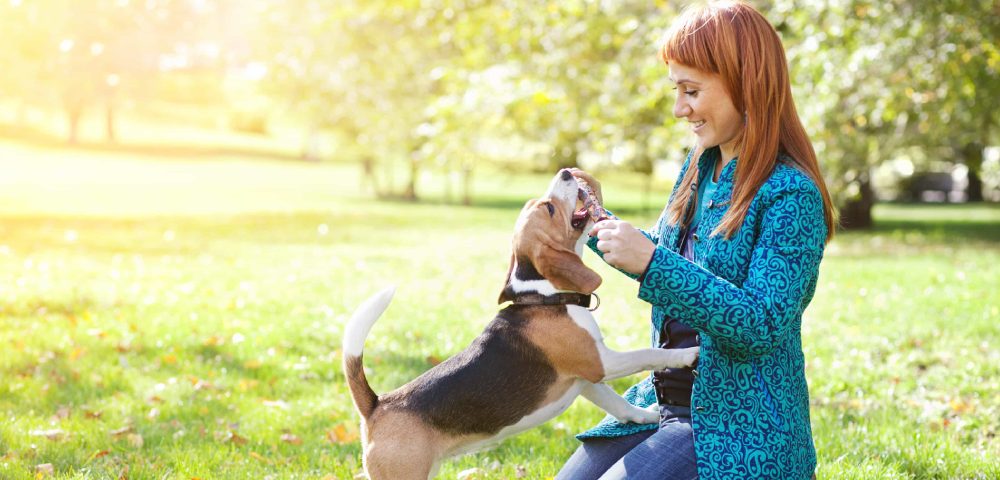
(735,41)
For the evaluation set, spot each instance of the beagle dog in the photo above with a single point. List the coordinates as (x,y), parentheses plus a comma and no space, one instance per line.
(529,364)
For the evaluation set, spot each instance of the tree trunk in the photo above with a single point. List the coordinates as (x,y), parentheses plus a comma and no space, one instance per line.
(411,185)
(73,114)
(647,187)
(972,155)
(109,122)
(466,185)
(368,177)
(856,213)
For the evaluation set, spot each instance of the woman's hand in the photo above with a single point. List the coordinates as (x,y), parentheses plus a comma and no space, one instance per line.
(594,184)
(623,245)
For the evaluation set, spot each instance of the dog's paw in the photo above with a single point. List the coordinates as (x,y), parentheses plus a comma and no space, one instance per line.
(640,415)
(686,357)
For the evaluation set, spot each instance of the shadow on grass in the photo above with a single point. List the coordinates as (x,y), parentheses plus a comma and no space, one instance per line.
(37,138)
(511,204)
(937,224)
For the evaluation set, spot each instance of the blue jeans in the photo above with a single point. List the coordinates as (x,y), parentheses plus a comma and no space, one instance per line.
(663,454)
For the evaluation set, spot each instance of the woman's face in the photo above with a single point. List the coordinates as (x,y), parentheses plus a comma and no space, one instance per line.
(704,102)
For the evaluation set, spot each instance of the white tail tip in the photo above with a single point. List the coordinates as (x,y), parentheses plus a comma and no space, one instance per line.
(363,319)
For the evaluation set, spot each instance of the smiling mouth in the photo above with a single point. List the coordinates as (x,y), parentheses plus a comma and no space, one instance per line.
(698,124)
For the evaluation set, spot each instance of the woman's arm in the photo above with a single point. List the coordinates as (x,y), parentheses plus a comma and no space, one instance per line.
(755,318)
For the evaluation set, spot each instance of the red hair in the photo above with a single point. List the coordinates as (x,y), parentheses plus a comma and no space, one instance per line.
(733,40)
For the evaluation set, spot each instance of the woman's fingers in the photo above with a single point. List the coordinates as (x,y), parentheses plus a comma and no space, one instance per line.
(594,184)
(623,246)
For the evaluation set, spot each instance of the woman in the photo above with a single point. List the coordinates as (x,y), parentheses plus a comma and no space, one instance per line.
(730,266)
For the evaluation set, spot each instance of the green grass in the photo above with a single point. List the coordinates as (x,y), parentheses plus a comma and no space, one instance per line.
(199,306)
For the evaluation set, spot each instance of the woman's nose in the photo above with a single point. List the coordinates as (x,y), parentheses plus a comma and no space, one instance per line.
(681,108)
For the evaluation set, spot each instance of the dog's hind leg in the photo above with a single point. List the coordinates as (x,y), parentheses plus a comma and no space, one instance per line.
(396,462)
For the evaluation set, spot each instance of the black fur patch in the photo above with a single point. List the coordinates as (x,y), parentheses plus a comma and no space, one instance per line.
(496,381)
(526,270)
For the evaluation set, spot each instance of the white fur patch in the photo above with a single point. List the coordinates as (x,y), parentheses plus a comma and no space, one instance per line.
(538,417)
(585,319)
(363,319)
(543,286)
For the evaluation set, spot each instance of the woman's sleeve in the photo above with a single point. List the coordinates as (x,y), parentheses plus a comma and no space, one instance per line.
(754,318)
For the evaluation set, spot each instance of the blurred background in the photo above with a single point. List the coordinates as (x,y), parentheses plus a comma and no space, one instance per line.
(900,97)
(195,195)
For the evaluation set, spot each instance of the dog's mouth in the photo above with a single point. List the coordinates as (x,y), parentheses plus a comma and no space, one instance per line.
(587,207)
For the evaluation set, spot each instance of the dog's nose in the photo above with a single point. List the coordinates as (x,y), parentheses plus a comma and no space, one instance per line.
(566,176)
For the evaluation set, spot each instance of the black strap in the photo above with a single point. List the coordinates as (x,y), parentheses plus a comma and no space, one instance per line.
(580,299)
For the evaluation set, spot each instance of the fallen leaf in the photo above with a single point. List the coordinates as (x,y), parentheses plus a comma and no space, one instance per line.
(260,457)
(469,473)
(121,431)
(291,438)
(960,406)
(135,440)
(433,360)
(99,454)
(520,472)
(233,437)
(61,414)
(54,434)
(340,435)
(93,414)
(44,469)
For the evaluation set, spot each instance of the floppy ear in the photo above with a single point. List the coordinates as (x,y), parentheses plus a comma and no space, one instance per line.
(505,294)
(566,270)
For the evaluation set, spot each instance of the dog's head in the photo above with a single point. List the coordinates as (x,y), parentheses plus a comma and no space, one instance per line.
(549,235)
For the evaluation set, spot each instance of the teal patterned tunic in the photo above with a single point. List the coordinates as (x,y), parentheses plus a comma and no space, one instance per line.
(745,297)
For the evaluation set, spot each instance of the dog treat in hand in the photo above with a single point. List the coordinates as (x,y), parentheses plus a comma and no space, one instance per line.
(591,205)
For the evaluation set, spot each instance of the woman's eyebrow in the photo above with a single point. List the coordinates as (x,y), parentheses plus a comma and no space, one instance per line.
(684,80)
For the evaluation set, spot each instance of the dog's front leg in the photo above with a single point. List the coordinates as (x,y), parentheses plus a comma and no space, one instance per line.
(606,398)
(622,364)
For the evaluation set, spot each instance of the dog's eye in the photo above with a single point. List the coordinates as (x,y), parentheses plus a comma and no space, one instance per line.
(552,210)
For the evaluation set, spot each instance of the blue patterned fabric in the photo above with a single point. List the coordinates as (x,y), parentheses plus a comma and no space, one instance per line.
(745,296)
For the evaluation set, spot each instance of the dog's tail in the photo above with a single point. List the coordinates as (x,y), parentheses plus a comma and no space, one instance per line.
(354,343)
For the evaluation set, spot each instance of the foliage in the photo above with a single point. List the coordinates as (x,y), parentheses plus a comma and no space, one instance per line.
(577,83)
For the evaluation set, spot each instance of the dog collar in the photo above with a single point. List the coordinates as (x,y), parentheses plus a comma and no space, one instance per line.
(580,299)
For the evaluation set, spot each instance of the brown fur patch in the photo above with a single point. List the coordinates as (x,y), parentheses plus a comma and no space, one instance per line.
(400,446)
(569,347)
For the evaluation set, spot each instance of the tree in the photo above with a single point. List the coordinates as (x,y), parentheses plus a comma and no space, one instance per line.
(881,77)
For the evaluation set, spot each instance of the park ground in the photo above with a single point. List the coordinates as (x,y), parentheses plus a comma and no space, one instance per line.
(168,315)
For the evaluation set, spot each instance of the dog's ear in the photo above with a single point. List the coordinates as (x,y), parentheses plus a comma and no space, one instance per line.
(505,294)
(566,270)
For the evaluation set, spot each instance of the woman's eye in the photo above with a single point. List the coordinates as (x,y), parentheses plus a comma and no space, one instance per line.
(693,93)
(552,210)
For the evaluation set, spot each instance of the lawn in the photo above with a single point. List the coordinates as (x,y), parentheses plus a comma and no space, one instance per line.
(165,317)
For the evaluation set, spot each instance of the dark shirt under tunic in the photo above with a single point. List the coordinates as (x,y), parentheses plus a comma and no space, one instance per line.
(673,385)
